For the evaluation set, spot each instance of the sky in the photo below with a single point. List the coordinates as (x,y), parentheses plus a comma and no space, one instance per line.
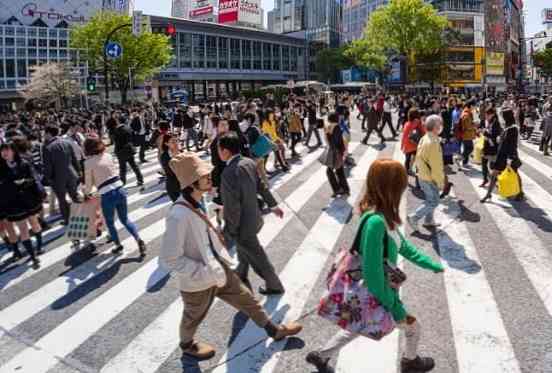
(533,9)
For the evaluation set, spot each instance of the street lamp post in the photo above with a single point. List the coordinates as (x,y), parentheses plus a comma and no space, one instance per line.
(105,59)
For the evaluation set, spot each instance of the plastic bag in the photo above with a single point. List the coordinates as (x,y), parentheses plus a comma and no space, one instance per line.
(478,150)
(508,183)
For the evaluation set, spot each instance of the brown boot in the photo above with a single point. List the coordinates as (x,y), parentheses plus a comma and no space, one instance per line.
(198,350)
(288,330)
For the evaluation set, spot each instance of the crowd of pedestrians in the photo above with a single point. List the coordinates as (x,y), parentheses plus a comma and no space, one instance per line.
(220,156)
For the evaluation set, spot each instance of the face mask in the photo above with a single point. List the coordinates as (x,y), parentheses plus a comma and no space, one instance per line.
(244,125)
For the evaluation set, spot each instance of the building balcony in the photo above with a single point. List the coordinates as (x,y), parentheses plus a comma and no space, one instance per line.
(470,6)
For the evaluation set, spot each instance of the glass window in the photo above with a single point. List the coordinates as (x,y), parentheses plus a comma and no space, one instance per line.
(20,42)
(31,52)
(185,49)
(62,33)
(223,53)
(63,43)
(275,57)
(20,31)
(9,30)
(43,53)
(211,42)
(257,55)
(21,52)
(10,68)
(246,51)
(62,53)
(31,42)
(53,53)
(293,59)
(42,32)
(10,52)
(53,33)
(235,54)
(267,56)
(32,63)
(21,69)
(10,84)
(199,50)
(10,42)
(43,43)
(1,69)
(31,31)
(285,58)
(53,43)
(2,84)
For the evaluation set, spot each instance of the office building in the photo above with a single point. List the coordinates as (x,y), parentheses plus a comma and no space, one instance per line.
(355,17)
(213,60)
(32,33)
(323,21)
(287,16)
(181,8)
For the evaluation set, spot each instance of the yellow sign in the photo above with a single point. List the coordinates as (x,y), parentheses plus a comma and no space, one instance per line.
(495,63)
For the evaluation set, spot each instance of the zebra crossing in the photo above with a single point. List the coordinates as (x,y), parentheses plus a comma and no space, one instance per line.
(491,310)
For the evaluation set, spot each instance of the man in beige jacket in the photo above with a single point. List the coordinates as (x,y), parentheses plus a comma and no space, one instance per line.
(430,170)
(194,250)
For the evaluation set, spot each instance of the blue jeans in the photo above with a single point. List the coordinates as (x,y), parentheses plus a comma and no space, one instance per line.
(431,202)
(117,200)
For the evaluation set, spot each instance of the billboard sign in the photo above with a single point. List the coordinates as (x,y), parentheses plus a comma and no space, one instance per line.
(495,63)
(228,11)
(547,15)
(53,12)
(495,32)
(201,11)
(250,12)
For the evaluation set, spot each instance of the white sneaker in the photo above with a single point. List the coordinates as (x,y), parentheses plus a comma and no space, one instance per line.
(412,223)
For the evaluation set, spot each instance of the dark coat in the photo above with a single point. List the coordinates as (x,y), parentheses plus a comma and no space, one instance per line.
(240,184)
(171,181)
(491,133)
(25,190)
(373,119)
(123,139)
(508,148)
(60,162)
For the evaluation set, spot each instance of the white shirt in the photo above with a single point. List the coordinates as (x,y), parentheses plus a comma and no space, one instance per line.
(386,107)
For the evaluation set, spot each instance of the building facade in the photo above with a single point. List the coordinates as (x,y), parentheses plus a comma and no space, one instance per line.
(212,60)
(181,8)
(36,33)
(323,21)
(355,17)
(287,16)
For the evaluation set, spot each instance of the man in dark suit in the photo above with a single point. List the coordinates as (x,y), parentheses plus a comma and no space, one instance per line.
(124,150)
(240,184)
(61,169)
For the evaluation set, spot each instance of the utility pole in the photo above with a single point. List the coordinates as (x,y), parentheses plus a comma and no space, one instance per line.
(105,59)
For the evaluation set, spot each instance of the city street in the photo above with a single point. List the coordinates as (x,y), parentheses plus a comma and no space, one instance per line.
(489,312)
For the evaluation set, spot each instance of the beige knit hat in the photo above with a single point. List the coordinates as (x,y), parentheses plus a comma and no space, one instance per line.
(189,168)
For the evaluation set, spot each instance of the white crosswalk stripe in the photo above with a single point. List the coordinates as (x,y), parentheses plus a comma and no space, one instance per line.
(478,326)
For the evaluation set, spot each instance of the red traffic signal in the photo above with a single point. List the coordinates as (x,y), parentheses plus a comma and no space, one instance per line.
(171,30)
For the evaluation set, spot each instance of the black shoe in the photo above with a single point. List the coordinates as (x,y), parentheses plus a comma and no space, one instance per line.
(484,199)
(319,362)
(90,247)
(417,365)
(118,250)
(267,292)
(142,248)
(144,161)
(36,263)
(140,183)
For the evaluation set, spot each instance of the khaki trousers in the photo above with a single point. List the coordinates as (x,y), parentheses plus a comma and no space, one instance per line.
(235,293)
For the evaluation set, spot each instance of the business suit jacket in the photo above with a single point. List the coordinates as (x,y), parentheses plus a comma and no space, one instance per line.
(122,138)
(60,162)
(240,184)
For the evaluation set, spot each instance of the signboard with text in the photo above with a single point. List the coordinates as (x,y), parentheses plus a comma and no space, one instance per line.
(495,63)
(52,12)
(250,12)
(228,11)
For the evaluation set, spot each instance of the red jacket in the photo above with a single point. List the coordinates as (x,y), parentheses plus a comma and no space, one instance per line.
(408,146)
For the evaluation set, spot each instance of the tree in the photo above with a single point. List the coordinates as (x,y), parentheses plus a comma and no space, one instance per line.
(403,27)
(52,83)
(142,56)
(543,59)
(330,61)
(365,54)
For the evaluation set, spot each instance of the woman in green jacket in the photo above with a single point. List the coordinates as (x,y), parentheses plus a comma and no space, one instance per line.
(385,184)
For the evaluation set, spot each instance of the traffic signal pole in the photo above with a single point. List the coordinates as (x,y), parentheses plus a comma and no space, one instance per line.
(105,59)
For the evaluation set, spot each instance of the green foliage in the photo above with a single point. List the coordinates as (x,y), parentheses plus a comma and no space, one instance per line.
(330,61)
(143,56)
(543,59)
(402,27)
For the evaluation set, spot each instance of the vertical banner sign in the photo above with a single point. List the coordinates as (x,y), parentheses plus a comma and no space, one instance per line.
(228,11)
(495,38)
(547,15)
(137,22)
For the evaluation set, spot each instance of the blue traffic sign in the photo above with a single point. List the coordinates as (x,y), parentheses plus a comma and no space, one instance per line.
(113,49)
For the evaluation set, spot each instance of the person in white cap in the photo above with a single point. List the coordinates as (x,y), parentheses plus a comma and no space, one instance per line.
(194,249)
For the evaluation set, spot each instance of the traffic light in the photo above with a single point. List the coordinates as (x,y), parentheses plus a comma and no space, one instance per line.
(91,84)
(171,30)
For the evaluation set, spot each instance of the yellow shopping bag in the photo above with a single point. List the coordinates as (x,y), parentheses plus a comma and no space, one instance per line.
(508,183)
(478,150)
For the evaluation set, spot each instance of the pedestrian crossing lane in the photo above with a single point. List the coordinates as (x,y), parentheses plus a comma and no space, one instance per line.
(49,348)
(141,354)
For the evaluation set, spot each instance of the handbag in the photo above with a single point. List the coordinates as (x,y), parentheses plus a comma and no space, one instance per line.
(415,136)
(320,123)
(327,158)
(262,147)
(348,302)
